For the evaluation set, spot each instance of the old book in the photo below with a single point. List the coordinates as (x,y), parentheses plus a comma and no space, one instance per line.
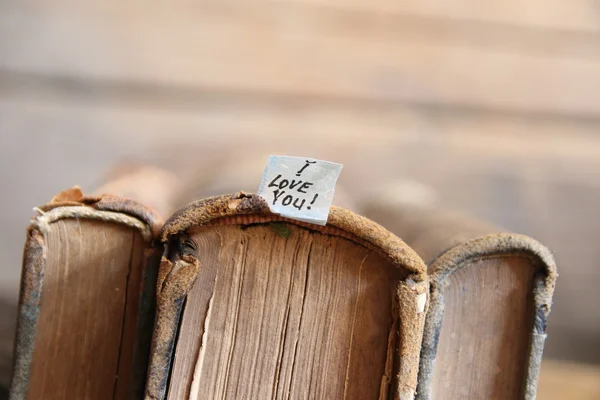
(253,305)
(86,301)
(489,300)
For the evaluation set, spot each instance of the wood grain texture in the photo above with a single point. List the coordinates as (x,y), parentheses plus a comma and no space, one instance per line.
(444,139)
(558,15)
(85,317)
(561,15)
(264,48)
(282,312)
(483,344)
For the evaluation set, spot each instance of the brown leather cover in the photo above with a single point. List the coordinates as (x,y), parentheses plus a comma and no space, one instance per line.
(107,202)
(177,276)
(449,240)
(71,203)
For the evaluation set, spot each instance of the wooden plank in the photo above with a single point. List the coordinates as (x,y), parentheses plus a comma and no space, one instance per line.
(560,15)
(314,52)
(429,139)
(578,15)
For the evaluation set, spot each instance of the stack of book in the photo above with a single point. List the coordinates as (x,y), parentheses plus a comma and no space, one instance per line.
(227,300)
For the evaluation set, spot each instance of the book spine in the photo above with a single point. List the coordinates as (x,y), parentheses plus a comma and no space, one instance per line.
(32,277)
(175,279)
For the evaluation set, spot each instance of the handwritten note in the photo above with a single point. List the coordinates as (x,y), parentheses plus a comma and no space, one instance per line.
(300,188)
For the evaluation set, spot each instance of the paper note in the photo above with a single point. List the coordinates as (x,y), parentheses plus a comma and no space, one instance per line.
(300,188)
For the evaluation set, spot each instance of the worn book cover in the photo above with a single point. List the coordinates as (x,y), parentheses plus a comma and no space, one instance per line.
(251,304)
(490,296)
(87,298)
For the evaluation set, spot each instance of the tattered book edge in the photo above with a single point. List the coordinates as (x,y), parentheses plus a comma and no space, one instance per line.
(34,258)
(460,255)
(414,300)
(32,276)
(205,211)
(176,278)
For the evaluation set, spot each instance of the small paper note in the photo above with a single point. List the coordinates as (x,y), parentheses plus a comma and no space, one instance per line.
(300,188)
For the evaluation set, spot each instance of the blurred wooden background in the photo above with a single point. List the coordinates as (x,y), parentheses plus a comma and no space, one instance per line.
(493,107)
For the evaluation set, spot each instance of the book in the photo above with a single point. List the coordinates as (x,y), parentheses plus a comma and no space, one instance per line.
(251,304)
(490,296)
(86,301)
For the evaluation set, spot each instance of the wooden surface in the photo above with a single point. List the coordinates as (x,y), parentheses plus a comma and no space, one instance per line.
(563,380)
(576,15)
(86,311)
(491,107)
(284,313)
(289,48)
(483,343)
